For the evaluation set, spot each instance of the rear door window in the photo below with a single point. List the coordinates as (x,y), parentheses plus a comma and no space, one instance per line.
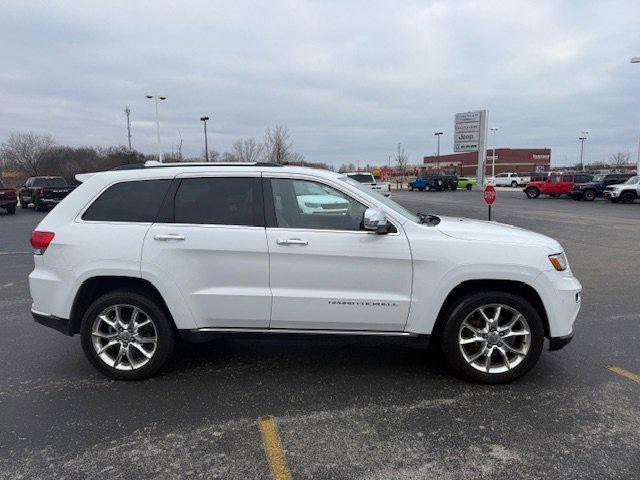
(137,201)
(217,201)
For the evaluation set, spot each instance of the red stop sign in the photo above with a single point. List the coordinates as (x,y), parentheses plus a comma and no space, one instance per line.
(489,194)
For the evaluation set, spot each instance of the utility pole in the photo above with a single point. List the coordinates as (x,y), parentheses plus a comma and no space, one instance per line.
(637,60)
(493,160)
(206,143)
(437,134)
(157,97)
(127,111)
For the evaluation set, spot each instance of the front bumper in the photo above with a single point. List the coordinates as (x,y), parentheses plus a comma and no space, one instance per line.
(556,343)
(60,324)
(561,295)
(611,194)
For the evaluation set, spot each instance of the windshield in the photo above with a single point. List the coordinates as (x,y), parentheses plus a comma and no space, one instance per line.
(382,199)
(598,178)
(632,180)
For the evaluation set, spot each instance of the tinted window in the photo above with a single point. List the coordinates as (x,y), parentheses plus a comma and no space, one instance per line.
(215,201)
(567,178)
(50,182)
(583,178)
(363,178)
(305,204)
(129,202)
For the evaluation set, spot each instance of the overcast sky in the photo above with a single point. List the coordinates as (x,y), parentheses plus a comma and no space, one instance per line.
(349,79)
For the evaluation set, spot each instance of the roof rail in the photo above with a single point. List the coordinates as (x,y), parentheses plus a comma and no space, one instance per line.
(156,164)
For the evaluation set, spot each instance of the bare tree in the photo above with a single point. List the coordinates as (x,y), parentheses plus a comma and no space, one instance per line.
(277,144)
(402,161)
(26,151)
(247,150)
(619,160)
(180,147)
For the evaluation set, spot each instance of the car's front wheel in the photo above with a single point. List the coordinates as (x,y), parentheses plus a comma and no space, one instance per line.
(411,188)
(468,187)
(514,184)
(627,197)
(126,336)
(492,337)
(589,195)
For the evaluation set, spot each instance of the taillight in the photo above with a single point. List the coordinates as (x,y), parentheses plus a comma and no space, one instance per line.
(41,240)
(41,191)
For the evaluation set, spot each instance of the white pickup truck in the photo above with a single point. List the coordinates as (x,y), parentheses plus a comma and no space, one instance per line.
(508,179)
(368,179)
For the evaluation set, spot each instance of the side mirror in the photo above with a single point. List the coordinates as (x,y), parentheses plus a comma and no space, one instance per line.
(375,220)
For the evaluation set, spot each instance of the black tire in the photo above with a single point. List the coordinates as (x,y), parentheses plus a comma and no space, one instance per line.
(462,309)
(37,206)
(514,184)
(428,187)
(469,186)
(11,210)
(532,192)
(23,203)
(165,333)
(627,197)
(589,195)
(411,188)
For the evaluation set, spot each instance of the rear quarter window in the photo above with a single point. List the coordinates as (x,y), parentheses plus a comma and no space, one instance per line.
(136,201)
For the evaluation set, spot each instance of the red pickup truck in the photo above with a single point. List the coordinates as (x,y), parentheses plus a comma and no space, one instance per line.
(556,184)
(8,199)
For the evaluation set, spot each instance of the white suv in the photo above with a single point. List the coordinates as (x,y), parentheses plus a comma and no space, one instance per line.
(134,259)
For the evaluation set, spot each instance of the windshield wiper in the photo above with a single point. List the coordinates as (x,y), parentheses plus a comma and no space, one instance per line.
(428,218)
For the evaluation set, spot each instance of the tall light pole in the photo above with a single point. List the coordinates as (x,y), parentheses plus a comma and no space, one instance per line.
(156,98)
(206,144)
(493,159)
(637,60)
(127,111)
(437,134)
(582,139)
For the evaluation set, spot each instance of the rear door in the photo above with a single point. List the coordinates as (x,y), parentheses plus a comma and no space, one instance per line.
(326,272)
(209,244)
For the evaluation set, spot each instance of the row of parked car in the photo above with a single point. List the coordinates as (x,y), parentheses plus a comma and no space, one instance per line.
(442,182)
(40,192)
(616,187)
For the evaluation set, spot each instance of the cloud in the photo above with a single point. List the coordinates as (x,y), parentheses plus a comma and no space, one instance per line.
(350,79)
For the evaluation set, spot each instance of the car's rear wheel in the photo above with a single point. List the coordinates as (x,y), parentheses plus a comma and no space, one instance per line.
(532,192)
(627,197)
(428,187)
(23,203)
(468,187)
(589,195)
(492,337)
(514,184)
(126,336)
(411,188)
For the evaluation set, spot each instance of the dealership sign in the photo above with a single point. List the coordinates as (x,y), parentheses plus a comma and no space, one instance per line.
(470,134)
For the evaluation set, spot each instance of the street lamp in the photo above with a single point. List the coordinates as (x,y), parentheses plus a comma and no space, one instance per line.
(493,159)
(156,98)
(206,146)
(582,139)
(437,134)
(637,60)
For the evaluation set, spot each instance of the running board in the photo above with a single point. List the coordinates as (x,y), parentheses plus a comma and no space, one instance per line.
(206,333)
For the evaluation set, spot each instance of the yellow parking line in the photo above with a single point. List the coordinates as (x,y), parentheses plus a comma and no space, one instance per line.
(273,449)
(625,373)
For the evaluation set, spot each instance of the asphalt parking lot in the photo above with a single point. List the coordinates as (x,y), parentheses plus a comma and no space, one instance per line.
(342,409)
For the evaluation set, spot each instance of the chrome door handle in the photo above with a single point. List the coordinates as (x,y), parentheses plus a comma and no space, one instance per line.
(291,241)
(169,236)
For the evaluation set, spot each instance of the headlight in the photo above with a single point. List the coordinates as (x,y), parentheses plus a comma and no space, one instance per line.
(559,261)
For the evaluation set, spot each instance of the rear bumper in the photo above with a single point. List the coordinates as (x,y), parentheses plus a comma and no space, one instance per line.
(60,324)
(12,202)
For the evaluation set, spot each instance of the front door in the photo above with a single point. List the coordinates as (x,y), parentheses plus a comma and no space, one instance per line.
(212,249)
(326,272)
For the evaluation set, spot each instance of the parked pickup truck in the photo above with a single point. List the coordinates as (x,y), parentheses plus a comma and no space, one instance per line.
(8,199)
(367,178)
(595,188)
(508,180)
(43,192)
(556,185)
(625,192)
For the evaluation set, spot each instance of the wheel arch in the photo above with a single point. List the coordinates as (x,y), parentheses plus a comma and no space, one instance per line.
(509,286)
(94,287)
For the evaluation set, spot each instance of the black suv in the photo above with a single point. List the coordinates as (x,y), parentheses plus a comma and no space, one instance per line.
(595,188)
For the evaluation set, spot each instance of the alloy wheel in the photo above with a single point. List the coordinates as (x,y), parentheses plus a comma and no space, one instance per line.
(124,337)
(494,338)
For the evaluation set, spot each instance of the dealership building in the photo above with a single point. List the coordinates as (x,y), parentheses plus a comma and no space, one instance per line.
(520,160)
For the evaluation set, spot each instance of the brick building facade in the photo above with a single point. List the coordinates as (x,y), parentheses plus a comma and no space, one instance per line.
(522,160)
